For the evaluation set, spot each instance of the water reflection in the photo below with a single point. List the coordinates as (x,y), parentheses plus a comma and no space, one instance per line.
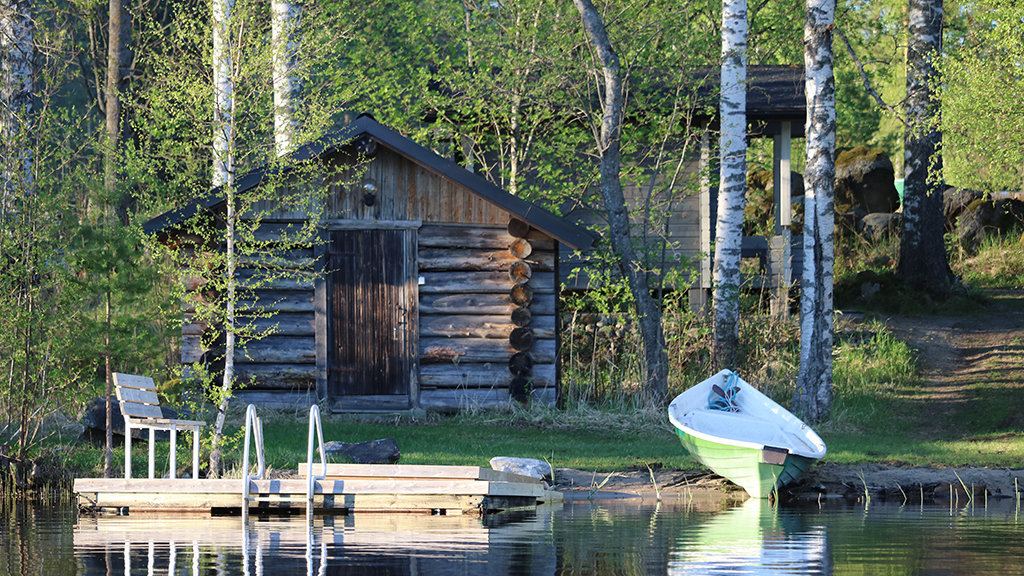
(754,538)
(677,536)
(357,544)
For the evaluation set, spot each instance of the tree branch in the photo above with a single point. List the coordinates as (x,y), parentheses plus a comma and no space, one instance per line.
(867,81)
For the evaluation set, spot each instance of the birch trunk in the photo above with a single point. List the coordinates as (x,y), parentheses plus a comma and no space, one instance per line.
(223,175)
(284,22)
(813,396)
(608,143)
(16,84)
(922,260)
(733,183)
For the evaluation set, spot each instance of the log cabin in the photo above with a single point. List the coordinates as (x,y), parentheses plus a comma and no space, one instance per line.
(436,289)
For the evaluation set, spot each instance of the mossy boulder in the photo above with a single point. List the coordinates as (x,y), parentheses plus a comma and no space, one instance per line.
(865,181)
(988,216)
(759,212)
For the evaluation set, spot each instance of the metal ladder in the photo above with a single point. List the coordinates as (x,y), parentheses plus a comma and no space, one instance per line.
(253,429)
(316,428)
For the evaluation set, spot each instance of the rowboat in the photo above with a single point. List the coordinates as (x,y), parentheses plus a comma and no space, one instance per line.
(743,435)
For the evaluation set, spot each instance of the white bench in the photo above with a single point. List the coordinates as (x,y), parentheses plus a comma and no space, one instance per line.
(140,407)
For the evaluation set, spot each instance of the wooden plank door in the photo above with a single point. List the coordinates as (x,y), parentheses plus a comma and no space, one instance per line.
(371,321)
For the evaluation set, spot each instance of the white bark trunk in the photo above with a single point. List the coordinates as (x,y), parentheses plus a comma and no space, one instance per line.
(16,85)
(813,397)
(284,22)
(733,183)
(223,175)
(223,93)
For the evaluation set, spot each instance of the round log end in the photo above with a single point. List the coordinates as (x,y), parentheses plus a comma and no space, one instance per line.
(520,272)
(521,339)
(520,248)
(522,317)
(520,364)
(521,294)
(518,228)
(519,389)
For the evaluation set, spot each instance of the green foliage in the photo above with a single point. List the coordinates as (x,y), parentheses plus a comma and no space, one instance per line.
(998,263)
(982,118)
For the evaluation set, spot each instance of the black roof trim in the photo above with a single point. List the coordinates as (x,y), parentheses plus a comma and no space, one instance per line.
(535,215)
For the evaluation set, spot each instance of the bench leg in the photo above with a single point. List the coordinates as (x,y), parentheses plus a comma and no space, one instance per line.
(173,457)
(152,453)
(195,454)
(127,451)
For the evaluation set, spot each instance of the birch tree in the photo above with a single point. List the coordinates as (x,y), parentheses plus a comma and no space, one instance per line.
(608,136)
(733,183)
(284,19)
(922,260)
(223,176)
(16,49)
(813,397)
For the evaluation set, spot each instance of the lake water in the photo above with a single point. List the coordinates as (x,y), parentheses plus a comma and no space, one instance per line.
(631,536)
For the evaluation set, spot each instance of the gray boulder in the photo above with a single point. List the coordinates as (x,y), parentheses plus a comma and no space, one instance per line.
(523,466)
(865,181)
(383,451)
(94,421)
(982,217)
(878,225)
(954,202)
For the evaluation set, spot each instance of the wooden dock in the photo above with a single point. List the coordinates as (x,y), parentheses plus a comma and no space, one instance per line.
(348,488)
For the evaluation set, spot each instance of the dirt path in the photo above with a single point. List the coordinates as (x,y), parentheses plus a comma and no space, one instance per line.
(972,369)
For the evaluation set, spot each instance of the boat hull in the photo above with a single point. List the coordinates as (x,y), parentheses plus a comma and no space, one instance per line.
(745,466)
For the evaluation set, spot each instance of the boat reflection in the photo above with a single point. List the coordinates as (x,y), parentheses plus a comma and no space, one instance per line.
(753,538)
(360,543)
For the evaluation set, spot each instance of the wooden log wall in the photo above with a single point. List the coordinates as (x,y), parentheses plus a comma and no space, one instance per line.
(285,359)
(487,315)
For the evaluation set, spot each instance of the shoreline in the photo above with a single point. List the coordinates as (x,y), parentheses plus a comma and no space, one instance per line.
(850,482)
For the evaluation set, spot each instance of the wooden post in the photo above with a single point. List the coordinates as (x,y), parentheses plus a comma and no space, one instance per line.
(780,258)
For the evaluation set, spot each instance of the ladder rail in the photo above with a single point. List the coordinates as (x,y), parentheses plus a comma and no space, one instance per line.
(315,428)
(253,431)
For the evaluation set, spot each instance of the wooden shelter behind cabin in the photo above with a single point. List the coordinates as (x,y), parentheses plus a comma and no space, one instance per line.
(438,289)
(682,228)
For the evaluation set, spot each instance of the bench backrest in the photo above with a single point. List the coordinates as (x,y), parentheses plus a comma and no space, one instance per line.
(137,396)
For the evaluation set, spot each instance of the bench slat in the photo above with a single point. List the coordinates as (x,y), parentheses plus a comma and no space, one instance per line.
(134,381)
(137,410)
(136,395)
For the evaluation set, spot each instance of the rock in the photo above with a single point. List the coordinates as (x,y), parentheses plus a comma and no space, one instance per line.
(523,466)
(954,202)
(759,210)
(986,216)
(383,451)
(94,421)
(865,181)
(877,225)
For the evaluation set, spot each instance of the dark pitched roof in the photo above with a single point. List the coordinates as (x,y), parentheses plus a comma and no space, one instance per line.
(773,92)
(536,216)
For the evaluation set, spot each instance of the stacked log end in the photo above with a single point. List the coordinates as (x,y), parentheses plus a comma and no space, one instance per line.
(522,336)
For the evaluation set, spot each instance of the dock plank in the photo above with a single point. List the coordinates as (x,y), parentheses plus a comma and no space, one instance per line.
(414,471)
